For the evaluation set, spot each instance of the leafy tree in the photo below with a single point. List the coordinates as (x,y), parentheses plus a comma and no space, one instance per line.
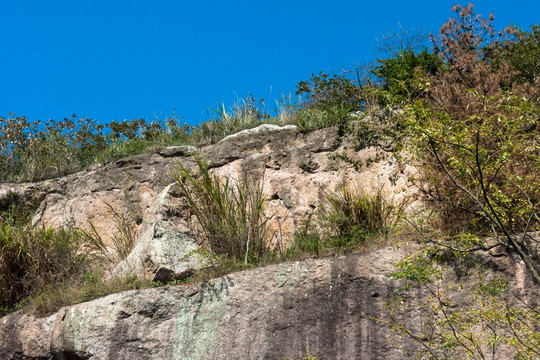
(474,138)
(524,54)
(485,165)
(324,91)
(399,73)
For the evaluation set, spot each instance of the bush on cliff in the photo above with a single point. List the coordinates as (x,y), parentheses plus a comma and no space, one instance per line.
(43,269)
(348,218)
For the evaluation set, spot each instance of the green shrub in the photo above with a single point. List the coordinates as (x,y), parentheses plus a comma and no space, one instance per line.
(399,74)
(523,54)
(36,150)
(323,91)
(229,214)
(379,129)
(484,319)
(329,100)
(43,269)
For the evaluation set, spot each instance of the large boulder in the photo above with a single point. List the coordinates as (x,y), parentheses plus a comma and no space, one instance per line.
(166,250)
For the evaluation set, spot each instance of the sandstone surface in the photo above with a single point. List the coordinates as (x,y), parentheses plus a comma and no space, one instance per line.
(296,169)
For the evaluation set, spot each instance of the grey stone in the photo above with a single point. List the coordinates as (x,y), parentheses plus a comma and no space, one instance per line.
(175,151)
(162,254)
(326,307)
(281,311)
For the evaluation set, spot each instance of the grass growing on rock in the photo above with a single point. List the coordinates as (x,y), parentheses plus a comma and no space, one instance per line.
(43,269)
(32,259)
(229,214)
(347,221)
(37,150)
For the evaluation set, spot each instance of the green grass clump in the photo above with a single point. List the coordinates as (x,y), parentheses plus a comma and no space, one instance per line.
(43,269)
(33,258)
(306,241)
(346,221)
(351,217)
(229,214)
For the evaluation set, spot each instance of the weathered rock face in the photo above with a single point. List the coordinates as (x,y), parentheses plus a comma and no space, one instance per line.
(282,311)
(166,250)
(128,186)
(296,169)
(323,306)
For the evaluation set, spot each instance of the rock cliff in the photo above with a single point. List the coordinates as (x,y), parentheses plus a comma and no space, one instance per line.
(297,168)
(325,306)
(321,306)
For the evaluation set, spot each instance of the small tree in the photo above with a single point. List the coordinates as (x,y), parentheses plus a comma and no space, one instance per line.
(475,138)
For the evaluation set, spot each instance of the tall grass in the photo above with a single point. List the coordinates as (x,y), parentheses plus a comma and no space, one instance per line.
(229,214)
(245,113)
(122,240)
(37,150)
(43,269)
(32,259)
(350,218)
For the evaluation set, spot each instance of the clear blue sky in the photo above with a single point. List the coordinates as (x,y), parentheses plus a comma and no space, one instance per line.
(115,60)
